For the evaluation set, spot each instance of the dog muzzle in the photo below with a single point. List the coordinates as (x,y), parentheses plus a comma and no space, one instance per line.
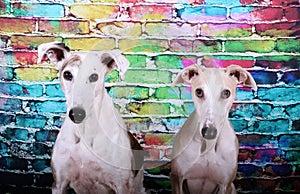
(77,114)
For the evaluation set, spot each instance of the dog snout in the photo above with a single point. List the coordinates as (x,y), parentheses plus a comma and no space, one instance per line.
(209,132)
(77,114)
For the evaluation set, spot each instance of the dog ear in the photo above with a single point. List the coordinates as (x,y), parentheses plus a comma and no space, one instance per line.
(241,76)
(115,60)
(187,74)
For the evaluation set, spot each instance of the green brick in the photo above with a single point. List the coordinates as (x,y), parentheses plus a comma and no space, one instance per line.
(288,45)
(148,76)
(112,76)
(260,46)
(137,60)
(140,45)
(167,93)
(138,93)
(174,62)
(149,108)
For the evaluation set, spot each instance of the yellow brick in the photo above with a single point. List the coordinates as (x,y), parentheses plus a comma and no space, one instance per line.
(90,43)
(140,45)
(36,74)
(94,11)
(21,41)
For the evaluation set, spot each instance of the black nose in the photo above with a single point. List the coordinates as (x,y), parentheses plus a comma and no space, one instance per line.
(77,115)
(209,132)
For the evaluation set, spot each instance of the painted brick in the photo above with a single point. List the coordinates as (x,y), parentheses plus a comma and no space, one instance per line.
(149,76)
(226,30)
(15,134)
(30,42)
(264,77)
(137,93)
(174,61)
(171,29)
(64,26)
(267,155)
(254,140)
(158,139)
(239,125)
(40,148)
(288,45)
(279,170)
(167,93)
(120,28)
(6,73)
(10,104)
(292,13)
(5,119)
(54,90)
(46,135)
(142,45)
(244,94)
(90,43)
(35,74)
(252,13)
(48,107)
(4,7)
(202,13)
(270,126)
(285,2)
(279,94)
(137,61)
(3,148)
(293,110)
(262,185)
(296,125)
(223,61)
(278,62)
(90,11)
(150,12)
(276,29)
(207,46)
(174,124)
(137,124)
(289,141)
(260,46)
(112,76)
(13,163)
(12,89)
(149,108)
(291,77)
(290,184)
(293,156)
(25,58)
(17,25)
(250,110)
(249,170)
(34,121)
(40,10)
(40,164)
(181,45)
(188,108)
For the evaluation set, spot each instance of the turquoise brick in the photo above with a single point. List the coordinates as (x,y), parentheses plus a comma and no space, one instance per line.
(185,93)
(173,123)
(270,126)
(239,125)
(5,119)
(14,163)
(289,141)
(10,104)
(244,94)
(138,93)
(48,107)
(40,148)
(40,164)
(54,90)
(293,110)
(21,90)
(188,108)
(250,110)
(167,93)
(3,148)
(34,121)
(17,134)
(197,13)
(38,10)
(6,73)
(46,135)
(279,94)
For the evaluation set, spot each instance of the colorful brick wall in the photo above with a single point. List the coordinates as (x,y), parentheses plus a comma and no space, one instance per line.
(159,38)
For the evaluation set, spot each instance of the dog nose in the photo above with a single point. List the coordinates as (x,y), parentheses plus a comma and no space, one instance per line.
(209,132)
(77,114)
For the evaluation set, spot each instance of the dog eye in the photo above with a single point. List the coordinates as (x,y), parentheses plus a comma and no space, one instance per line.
(225,94)
(93,77)
(68,76)
(199,93)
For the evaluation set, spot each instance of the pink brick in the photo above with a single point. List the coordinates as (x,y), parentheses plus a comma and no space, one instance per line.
(64,26)
(285,2)
(171,29)
(150,12)
(260,14)
(181,45)
(219,63)
(292,14)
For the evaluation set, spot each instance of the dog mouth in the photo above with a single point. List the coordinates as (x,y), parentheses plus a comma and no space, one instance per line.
(209,131)
(77,115)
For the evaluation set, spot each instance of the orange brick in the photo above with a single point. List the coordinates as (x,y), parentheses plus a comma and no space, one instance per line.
(90,43)
(30,42)
(17,25)
(94,11)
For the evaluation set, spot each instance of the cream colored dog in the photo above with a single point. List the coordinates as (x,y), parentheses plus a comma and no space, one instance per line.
(94,152)
(206,148)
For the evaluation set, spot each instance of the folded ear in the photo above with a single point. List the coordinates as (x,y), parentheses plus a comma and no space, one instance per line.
(115,60)
(187,74)
(241,76)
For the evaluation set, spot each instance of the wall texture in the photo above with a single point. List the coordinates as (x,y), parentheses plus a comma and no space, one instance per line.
(159,38)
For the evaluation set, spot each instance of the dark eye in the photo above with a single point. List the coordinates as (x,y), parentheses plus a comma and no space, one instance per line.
(68,76)
(93,77)
(199,93)
(225,94)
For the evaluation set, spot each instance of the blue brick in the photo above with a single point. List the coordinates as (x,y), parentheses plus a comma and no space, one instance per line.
(190,13)
(264,77)
(249,170)
(6,73)
(40,164)
(185,93)
(13,163)
(244,94)
(289,141)
(34,121)
(10,104)
(279,94)
(293,110)
(241,10)
(250,110)
(38,10)
(172,123)
(5,119)
(17,134)
(21,90)
(54,90)
(239,124)
(46,135)
(279,170)
(3,148)
(189,107)
(270,126)
(291,77)
(48,107)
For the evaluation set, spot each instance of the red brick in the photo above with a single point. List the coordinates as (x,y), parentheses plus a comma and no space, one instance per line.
(292,13)
(223,63)
(150,12)
(277,29)
(25,58)
(285,2)
(17,25)
(181,45)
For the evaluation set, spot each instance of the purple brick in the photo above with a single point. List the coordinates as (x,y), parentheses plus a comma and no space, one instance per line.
(264,77)
(249,170)
(278,170)
(267,155)
(291,77)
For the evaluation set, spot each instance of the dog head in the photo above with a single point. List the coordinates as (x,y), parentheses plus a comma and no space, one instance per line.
(82,80)
(213,93)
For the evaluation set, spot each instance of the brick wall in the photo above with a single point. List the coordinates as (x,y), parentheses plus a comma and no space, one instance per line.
(159,38)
